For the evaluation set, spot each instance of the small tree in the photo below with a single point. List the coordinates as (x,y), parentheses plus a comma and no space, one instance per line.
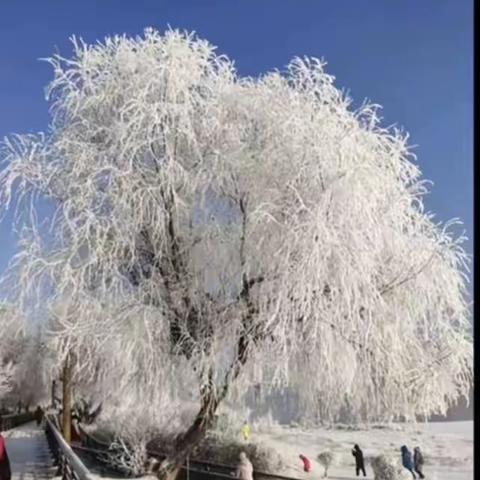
(214,230)
(327,459)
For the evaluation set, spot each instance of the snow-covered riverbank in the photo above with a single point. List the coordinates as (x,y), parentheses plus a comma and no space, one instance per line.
(447,447)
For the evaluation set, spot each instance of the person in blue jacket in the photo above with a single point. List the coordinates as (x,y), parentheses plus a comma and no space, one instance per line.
(407,461)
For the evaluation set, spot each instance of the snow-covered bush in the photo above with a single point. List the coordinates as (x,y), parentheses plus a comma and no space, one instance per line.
(327,459)
(387,467)
(344,426)
(131,458)
(219,450)
(229,421)
(265,423)
(127,437)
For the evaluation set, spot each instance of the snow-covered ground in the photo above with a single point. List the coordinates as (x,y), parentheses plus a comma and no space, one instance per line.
(28,452)
(30,458)
(447,447)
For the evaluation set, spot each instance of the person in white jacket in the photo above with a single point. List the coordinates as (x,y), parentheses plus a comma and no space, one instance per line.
(244,468)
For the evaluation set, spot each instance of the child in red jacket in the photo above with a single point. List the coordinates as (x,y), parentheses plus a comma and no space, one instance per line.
(307,464)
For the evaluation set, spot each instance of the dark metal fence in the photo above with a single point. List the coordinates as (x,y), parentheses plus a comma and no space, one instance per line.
(70,467)
(8,422)
(194,469)
(197,469)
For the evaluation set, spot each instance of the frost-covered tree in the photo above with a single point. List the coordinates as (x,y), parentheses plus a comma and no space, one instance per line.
(12,351)
(210,230)
(6,379)
(6,366)
(326,459)
(22,354)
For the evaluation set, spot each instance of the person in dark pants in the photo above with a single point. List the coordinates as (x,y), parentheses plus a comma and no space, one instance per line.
(38,415)
(359,461)
(407,461)
(5,472)
(418,462)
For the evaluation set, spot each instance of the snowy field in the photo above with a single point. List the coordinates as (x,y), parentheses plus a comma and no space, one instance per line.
(447,447)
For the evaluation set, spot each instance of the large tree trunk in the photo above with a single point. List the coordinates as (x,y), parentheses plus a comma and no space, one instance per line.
(170,468)
(53,393)
(67,400)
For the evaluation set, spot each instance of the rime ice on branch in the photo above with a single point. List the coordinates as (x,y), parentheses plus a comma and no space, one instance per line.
(213,230)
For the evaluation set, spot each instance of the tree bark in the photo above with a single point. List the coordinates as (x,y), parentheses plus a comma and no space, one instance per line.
(53,393)
(67,401)
(170,468)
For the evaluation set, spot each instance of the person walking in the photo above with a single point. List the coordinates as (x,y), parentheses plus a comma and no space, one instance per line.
(307,464)
(418,462)
(39,415)
(246,431)
(244,468)
(407,461)
(359,460)
(5,472)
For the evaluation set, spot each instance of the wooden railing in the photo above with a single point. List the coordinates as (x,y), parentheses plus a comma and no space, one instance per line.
(70,467)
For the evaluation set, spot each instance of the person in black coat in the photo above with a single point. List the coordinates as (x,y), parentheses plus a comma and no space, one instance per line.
(39,415)
(359,461)
(418,462)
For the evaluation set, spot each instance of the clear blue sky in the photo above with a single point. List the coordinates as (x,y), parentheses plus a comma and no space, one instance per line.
(414,57)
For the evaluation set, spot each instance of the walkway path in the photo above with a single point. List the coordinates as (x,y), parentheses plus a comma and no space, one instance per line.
(28,451)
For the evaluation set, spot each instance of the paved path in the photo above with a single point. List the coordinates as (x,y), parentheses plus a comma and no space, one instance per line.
(28,451)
